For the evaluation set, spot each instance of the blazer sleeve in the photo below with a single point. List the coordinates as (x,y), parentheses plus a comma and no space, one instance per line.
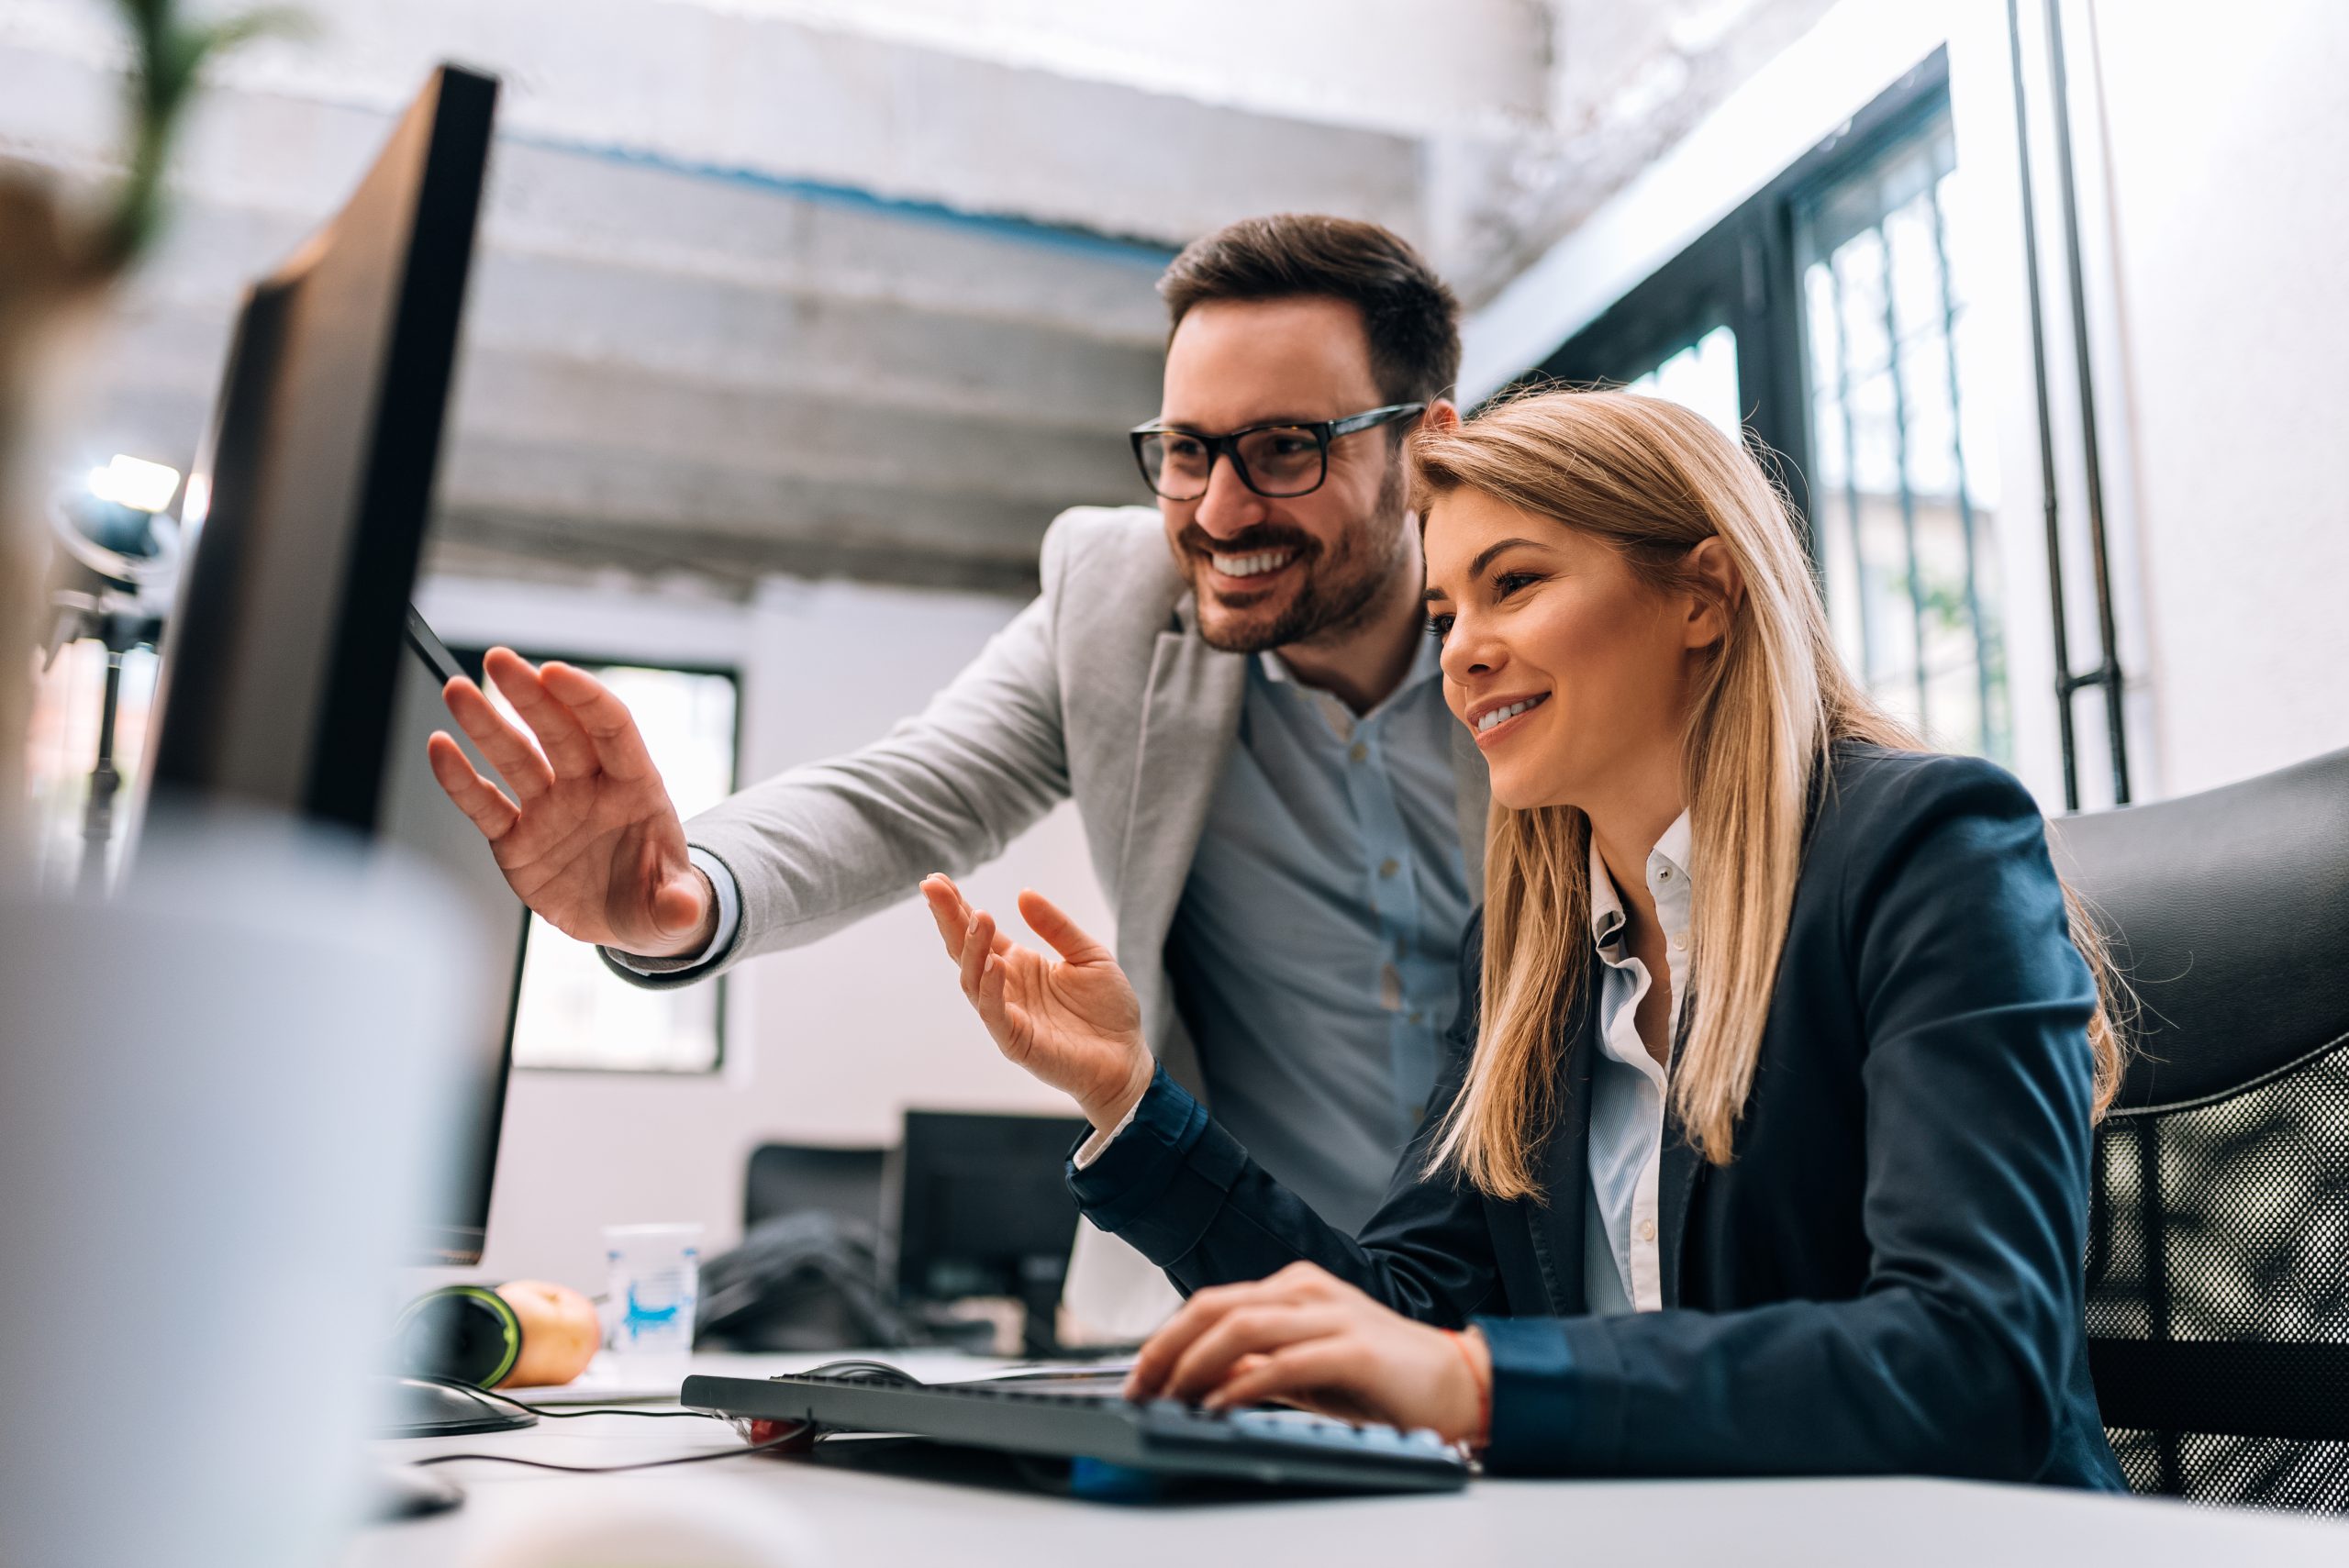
(1183,1192)
(1977,1081)
(823,845)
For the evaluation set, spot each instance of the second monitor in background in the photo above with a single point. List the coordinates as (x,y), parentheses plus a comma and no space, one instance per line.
(983,1209)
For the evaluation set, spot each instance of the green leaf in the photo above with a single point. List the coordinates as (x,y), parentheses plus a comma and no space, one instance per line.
(170,56)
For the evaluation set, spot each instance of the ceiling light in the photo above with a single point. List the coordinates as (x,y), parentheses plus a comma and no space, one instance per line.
(135,483)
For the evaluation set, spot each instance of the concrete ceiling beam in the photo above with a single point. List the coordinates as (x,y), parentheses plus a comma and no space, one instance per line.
(708,89)
(662,499)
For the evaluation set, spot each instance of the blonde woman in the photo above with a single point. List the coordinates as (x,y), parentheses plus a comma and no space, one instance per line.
(1764,1141)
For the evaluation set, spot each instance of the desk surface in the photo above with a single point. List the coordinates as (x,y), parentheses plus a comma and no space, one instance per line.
(878,1508)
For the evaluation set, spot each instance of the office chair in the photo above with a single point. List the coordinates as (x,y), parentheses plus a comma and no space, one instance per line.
(787,1177)
(808,1275)
(2217,1264)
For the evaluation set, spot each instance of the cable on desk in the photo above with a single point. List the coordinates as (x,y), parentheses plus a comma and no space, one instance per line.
(545,1414)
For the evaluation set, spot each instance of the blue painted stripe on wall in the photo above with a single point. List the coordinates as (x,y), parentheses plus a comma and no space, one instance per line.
(1019,231)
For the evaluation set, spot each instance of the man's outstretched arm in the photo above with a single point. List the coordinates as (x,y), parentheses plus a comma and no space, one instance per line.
(586,835)
(822,845)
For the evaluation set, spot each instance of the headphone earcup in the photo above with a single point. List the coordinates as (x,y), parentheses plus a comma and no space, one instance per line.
(465,1333)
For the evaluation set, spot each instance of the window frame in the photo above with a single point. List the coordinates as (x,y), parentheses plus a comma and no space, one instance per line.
(1743,272)
(469,659)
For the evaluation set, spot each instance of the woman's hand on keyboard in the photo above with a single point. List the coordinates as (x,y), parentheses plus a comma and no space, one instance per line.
(1073,1020)
(1306,1337)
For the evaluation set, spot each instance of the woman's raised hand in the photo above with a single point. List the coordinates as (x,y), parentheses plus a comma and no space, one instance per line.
(1072,1021)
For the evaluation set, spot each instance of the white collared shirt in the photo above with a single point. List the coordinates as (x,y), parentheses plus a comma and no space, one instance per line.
(1623,1269)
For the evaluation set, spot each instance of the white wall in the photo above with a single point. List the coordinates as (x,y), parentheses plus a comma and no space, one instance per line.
(827,1044)
(2227,145)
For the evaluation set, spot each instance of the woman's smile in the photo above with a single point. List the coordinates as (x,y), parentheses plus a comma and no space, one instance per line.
(1496,719)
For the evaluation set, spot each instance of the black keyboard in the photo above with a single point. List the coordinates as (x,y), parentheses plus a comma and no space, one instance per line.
(1084,1420)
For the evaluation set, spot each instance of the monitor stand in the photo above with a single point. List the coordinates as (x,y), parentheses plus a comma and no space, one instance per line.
(1039,1300)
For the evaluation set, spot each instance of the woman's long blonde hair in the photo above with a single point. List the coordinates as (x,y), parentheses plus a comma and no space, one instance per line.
(1652,478)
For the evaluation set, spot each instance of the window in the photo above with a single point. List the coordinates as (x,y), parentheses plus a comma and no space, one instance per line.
(1702,375)
(1902,481)
(1823,322)
(575,1013)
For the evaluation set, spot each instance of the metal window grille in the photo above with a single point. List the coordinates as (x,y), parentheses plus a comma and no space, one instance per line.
(1903,485)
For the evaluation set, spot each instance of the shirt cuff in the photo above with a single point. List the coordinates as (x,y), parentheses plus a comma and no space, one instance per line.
(1117,1181)
(1090,1150)
(1533,1410)
(729,918)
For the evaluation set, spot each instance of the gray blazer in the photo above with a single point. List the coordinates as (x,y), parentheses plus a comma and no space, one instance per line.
(1100,691)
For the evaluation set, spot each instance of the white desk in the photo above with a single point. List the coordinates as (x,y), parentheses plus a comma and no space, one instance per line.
(853,1516)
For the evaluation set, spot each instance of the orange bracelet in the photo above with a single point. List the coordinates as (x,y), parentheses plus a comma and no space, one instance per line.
(1483,1387)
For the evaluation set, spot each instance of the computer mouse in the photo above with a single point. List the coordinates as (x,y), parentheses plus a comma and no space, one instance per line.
(758,1431)
(404,1491)
(856,1370)
(761,1433)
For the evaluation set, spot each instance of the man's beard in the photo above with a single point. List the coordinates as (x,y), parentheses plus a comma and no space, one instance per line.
(1340,589)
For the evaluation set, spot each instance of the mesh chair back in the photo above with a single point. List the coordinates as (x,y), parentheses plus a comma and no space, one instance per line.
(2217,1264)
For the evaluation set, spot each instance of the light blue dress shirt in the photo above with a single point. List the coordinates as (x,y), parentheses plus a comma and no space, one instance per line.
(1621,1263)
(1315,951)
(1316,948)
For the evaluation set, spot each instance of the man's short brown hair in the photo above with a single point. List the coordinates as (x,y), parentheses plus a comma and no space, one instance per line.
(1411,318)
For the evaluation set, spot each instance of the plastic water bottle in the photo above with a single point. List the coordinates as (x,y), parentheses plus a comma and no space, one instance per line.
(654,1285)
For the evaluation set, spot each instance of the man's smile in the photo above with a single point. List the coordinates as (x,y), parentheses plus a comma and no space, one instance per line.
(1251,567)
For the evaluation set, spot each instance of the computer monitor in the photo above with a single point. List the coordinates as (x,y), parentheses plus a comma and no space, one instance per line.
(291,678)
(982,1209)
(310,498)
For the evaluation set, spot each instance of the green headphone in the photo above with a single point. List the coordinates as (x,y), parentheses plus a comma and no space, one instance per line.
(465,1332)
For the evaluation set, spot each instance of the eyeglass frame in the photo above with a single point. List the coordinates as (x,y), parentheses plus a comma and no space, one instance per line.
(1324,432)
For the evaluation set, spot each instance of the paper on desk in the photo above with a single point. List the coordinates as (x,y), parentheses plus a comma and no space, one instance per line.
(606,1382)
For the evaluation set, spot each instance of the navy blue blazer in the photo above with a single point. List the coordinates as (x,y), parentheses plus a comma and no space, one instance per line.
(1888,1276)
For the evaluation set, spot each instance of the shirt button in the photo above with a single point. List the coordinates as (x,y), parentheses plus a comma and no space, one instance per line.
(1647,1230)
(1679,942)
(1416,1015)
(1357,752)
(1389,866)
(1419,1115)
(1664,874)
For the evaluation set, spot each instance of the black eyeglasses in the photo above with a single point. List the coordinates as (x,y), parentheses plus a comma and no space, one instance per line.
(1274,461)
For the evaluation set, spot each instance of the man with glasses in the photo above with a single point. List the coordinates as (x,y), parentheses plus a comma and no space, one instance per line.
(1237,692)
